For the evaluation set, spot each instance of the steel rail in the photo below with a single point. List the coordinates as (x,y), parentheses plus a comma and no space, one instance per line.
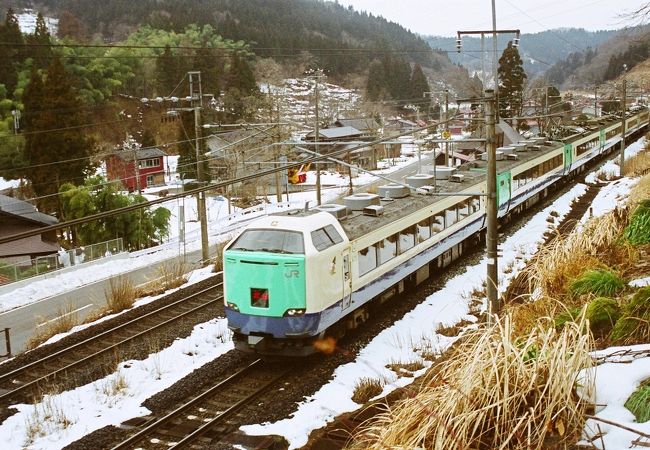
(10,375)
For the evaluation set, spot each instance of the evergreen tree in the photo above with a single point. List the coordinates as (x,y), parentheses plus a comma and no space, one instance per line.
(11,53)
(241,77)
(55,146)
(511,83)
(375,85)
(168,72)
(41,42)
(211,65)
(186,151)
(419,85)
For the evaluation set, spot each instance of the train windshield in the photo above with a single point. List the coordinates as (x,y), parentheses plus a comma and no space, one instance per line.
(272,241)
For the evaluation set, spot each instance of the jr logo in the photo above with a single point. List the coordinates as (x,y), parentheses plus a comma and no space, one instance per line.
(292,274)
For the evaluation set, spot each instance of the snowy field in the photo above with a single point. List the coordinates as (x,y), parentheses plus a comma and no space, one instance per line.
(118,396)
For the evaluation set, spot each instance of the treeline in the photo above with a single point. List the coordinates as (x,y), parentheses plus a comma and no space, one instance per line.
(636,53)
(563,69)
(392,78)
(340,39)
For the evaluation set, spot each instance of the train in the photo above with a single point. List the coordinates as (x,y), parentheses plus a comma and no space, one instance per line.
(295,278)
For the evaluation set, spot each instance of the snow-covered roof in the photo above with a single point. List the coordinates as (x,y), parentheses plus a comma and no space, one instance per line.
(336,133)
(143,153)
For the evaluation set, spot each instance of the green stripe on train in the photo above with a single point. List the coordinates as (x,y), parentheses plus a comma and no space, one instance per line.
(283,276)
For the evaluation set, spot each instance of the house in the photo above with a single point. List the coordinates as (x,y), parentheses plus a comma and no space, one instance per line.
(17,216)
(368,126)
(228,152)
(151,167)
(335,134)
(398,124)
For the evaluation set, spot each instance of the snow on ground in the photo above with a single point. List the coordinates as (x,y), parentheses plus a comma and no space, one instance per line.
(115,398)
(409,337)
(615,381)
(640,282)
(611,167)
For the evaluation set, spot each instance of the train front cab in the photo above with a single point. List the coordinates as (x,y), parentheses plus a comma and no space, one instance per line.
(267,284)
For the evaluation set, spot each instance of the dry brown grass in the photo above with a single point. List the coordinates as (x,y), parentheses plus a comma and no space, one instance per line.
(405,368)
(365,389)
(48,417)
(65,319)
(638,165)
(496,391)
(121,294)
(641,191)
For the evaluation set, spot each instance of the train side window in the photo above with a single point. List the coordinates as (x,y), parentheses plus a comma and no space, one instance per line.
(424,230)
(438,223)
(474,204)
(407,239)
(451,215)
(324,238)
(387,249)
(463,209)
(367,259)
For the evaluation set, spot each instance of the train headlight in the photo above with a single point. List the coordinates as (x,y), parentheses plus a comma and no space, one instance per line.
(294,312)
(233,306)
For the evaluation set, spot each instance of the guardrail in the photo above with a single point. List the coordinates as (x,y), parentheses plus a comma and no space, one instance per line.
(11,273)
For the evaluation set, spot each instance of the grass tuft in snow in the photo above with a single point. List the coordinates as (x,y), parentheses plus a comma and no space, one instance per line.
(639,402)
(497,390)
(218,256)
(601,282)
(367,388)
(48,417)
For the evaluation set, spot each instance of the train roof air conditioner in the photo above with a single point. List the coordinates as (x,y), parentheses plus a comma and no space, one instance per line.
(457,178)
(356,202)
(512,157)
(338,211)
(373,210)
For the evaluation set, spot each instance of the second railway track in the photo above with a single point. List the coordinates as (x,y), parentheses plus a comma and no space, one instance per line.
(102,350)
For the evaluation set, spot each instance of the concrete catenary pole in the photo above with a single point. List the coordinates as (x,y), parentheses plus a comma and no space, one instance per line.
(491,208)
(623,108)
(197,101)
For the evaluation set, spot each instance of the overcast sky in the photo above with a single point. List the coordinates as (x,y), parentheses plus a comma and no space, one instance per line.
(444,18)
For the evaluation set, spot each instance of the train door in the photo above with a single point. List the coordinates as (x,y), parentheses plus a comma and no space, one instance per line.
(568,157)
(347,280)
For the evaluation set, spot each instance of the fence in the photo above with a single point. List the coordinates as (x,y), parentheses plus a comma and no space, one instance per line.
(64,258)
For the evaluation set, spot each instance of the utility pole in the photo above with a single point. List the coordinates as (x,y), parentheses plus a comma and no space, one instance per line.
(491,208)
(278,189)
(197,103)
(446,127)
(623,107)
(495,58)
(596,101)
(317,130)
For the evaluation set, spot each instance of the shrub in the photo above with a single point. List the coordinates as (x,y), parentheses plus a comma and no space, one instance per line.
(639,402)
(634,324)
(567,316)
(600,282)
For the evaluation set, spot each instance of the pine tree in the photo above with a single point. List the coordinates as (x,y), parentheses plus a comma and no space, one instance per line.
(55,145)
(41,41)
(211,66)
(375,84)
(168,72)
(186,151)
(419,86)
(11,53)
(511,83)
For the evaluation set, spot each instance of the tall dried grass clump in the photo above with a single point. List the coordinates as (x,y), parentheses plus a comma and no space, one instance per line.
(638,164)
(640,191)
(495,391)
(172,274)
(66,319)
(121,294)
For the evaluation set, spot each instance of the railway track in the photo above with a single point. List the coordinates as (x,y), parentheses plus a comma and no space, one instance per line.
(102,350)
(205,417)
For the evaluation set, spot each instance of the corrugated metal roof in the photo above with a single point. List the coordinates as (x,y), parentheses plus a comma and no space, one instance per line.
(361,123)
(20,208)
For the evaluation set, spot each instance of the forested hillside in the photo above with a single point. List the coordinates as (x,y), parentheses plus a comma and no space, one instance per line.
(339,37)
(630,47)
